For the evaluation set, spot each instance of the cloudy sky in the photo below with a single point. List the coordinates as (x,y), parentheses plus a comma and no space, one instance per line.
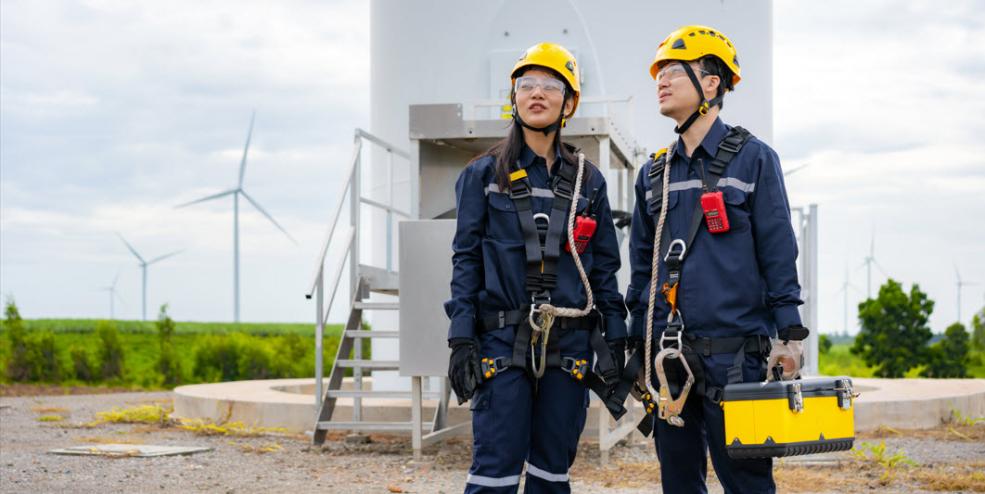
(113,112)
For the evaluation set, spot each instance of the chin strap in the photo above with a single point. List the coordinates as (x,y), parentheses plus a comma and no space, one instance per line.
(561,121)
(703,106)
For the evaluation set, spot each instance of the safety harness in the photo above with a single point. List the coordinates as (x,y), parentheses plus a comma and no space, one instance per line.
(674,343)
(542,235)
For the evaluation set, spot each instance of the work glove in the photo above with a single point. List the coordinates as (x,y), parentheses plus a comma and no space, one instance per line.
(618,349)
(464,370)
(786,357)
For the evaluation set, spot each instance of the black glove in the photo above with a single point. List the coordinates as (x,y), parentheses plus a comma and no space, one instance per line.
(464,370)
(634,344)
(618,349)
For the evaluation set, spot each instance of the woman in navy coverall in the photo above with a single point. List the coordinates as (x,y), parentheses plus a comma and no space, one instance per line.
(517,420)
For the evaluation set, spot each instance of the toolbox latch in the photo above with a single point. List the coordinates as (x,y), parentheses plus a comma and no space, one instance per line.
(795,399)
(845,392)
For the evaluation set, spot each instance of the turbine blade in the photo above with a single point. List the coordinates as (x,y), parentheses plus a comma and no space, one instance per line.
(265,213)
(956,273)
(246,149)
(117,278)
(165,256)
(207,198)
(880,268)
(795,169)
(132,250)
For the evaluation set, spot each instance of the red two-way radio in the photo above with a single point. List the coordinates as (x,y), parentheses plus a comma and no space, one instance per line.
(713,205)
(584,229)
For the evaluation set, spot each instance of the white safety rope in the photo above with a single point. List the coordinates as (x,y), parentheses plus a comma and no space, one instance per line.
(655,274)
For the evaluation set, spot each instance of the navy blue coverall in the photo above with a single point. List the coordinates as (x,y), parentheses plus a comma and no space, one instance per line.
(739,283)
(514,419)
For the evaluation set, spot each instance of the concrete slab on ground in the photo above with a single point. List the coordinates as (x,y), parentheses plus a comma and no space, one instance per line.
(290,403)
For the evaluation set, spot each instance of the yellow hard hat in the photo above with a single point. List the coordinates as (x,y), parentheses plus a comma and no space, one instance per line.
(693,42)
(554,57)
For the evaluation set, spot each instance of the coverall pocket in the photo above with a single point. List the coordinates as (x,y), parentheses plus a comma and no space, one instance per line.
(504,224)
(738,210)
(481,398)
(672,200)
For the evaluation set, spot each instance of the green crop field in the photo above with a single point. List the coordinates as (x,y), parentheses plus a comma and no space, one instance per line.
(839,361)
(253,328)
(206,352)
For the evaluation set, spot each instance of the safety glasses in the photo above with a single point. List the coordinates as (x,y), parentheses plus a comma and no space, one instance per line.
(673,71)
(550,86)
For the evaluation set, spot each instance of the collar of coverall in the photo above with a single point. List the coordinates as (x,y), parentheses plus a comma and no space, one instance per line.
(714,136)
(528,157)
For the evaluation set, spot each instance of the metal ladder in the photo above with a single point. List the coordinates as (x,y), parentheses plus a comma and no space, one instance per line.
(364,280)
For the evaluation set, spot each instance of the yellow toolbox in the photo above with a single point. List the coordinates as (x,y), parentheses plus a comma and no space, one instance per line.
(787,418)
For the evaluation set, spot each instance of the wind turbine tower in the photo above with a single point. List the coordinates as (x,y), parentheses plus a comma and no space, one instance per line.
(112,295)
(143,273)
(961,283)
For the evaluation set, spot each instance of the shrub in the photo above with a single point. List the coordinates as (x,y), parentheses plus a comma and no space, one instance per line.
(18,368)
(82,365)
(168,363)
(109,354)
(823,344)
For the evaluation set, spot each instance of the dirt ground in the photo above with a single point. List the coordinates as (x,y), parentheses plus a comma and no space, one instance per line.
(950,458)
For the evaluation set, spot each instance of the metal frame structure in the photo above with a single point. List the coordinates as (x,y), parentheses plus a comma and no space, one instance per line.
(807,238)
(351,189)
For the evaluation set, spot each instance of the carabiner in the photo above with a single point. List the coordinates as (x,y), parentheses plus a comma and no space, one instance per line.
(668,407)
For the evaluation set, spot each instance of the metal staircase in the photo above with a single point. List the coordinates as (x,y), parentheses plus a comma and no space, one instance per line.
(364,282)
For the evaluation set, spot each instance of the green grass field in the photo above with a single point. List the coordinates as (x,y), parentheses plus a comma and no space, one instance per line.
(839,361)
(253,328)
(284,349)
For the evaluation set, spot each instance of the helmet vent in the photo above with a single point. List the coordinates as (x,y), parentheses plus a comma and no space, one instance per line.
(678,45)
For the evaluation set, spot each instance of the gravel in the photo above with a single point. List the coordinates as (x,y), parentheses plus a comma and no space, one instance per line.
(384,464)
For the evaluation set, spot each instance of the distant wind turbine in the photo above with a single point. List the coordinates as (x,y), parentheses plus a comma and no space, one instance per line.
(960,283)
(868,262)
(844,291)
(112,295)
(236,192)
(143,273)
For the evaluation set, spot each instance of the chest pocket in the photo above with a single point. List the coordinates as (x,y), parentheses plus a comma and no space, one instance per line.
(504,224)
(673,197)
(737,206)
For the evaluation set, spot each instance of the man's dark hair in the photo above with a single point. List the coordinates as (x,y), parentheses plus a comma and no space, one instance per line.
(714,66)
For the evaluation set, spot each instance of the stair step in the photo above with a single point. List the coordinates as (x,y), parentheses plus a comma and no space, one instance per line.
(380,280)
(376,305)
(372,426)
(369,364)
(359,333)
(351,393)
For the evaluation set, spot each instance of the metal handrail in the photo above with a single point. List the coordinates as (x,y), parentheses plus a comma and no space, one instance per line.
(356,150)
(380,205)
(383,144)
(351,189)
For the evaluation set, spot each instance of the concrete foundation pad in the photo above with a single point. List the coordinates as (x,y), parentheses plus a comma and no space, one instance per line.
(290,404)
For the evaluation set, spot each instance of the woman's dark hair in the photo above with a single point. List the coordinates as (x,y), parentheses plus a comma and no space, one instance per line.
(508,150)
(714,66)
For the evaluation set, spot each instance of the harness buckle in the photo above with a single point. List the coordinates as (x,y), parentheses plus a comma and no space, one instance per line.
(578,368)
(731,144)
(491,366)
(670,408)
(519,190)
(644,397)
(564,188)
